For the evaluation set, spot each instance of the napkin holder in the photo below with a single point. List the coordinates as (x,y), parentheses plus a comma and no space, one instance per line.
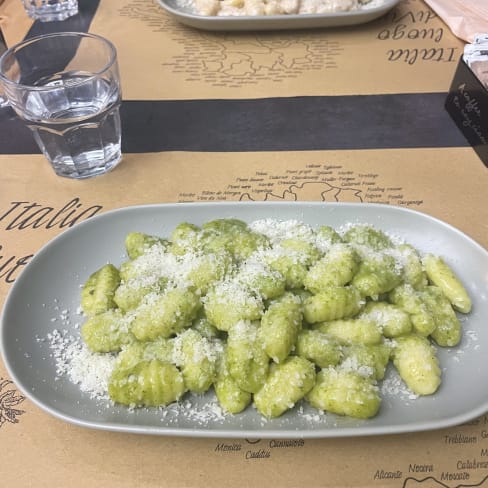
(467,104)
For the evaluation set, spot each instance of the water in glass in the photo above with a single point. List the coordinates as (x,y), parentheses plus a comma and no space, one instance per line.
(76,126)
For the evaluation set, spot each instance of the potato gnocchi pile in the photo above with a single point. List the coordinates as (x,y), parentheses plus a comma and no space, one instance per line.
(226,8)
(271,313)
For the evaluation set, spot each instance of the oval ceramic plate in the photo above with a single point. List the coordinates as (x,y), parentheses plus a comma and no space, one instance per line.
(275,22)
(46,297)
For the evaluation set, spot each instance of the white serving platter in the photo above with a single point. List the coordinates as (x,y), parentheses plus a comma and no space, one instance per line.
(46,297)
(275,22)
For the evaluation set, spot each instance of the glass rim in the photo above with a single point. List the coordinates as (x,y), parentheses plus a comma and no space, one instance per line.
(31,40)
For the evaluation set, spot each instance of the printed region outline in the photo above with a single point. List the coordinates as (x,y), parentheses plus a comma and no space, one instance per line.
(320,191)
(221,59)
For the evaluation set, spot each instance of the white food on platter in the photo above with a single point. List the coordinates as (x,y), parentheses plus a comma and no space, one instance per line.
(229,8)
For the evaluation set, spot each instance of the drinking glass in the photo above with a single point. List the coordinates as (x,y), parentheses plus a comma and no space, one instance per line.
(66,88)
(3,48)
(48,10)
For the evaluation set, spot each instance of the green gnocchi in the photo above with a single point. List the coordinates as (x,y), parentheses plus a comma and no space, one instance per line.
(270,314)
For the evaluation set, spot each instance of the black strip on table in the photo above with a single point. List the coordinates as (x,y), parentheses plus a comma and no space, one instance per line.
(299,123)
(272,124)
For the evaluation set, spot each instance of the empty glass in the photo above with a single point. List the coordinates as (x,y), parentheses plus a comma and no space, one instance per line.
(66,88)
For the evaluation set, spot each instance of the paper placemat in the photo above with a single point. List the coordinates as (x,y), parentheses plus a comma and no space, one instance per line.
(466,18)
(35,205)
(409,50)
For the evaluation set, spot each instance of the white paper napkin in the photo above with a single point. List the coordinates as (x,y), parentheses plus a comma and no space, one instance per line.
(465,18)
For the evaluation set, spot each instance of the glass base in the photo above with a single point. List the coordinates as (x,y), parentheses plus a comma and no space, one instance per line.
(51,10)
(66,169)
